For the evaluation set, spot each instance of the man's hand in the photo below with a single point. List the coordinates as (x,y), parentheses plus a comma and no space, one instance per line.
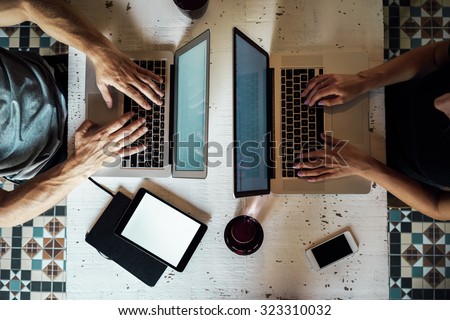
(94,145)
(337,159)
(113,68)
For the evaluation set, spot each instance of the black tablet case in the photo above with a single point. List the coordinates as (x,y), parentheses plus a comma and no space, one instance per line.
(103,238)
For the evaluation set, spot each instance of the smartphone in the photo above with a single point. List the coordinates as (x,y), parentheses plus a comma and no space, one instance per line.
(332,250)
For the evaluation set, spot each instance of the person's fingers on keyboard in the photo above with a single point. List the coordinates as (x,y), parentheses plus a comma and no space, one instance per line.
(323,90)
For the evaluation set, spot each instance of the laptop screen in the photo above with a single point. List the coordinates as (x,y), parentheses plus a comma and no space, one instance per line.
(251,120)
(191,99)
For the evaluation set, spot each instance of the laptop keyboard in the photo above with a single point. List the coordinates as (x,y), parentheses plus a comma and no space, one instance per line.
(301,125)
(156,119)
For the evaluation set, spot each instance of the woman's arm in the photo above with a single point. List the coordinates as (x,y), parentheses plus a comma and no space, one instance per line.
(333,89)
(340,159)
(425,199)
(112,67)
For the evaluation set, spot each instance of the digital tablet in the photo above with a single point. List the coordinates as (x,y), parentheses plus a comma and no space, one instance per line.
(160,230)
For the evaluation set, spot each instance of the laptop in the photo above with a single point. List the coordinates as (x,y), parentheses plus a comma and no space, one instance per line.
(272,126)
(178,129)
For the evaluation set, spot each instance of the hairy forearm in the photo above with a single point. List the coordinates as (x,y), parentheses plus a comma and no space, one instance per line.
(59,21)
(418,196)
(40,193)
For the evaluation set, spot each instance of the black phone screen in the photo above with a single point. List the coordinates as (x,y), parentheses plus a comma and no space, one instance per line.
(331,251)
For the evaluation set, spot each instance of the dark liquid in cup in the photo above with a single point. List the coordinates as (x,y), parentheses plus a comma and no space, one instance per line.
(243,235)
(193,9)
(243,231)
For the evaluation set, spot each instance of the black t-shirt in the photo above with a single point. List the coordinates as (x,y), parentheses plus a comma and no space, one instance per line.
(418,134)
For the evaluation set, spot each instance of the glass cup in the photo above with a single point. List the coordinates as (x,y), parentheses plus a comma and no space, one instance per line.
(243,235)
(192,9)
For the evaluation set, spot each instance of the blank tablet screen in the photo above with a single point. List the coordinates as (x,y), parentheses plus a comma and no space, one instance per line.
(161,229)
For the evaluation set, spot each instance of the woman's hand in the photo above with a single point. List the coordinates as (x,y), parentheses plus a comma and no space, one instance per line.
(337,159)
(442,103)
(333,89)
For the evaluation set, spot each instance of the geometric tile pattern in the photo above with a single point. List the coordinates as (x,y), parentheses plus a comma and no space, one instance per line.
(419,256)
(29,37)
(414,23)
(33,256)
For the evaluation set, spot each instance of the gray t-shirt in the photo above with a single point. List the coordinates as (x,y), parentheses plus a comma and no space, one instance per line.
(32,115)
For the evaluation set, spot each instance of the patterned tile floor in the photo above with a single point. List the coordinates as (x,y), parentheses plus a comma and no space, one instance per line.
(32,256)
(419,246)
(419,256)
(413,23)
(30,37)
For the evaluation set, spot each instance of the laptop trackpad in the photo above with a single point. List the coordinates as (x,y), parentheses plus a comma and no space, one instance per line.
(98,112)
(348,121)
(302,186)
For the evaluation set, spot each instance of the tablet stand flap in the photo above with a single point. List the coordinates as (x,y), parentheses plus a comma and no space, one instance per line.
(102,237)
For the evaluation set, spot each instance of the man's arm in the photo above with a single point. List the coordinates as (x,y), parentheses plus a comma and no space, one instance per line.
(333,89)
(12,12)
(112,67)
(93,146)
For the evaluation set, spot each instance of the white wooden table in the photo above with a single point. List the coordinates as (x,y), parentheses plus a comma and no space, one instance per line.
(279,269)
